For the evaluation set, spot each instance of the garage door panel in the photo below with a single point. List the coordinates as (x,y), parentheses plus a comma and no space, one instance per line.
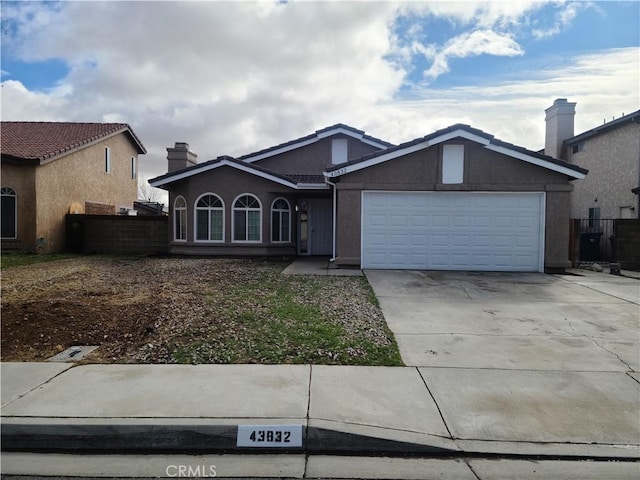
(438,240)
(398,240)
(397,220)
(452,231)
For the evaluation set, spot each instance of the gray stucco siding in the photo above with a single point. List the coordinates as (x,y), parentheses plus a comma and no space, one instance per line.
(314,158)
(483,171)
(228,183)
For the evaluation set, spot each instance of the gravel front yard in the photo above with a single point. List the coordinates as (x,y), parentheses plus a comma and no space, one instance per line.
(190,310)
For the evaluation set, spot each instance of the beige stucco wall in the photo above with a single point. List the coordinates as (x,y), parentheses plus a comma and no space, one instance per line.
(81,177)
(314,158)
(22,180)
(483,171)
(613,161)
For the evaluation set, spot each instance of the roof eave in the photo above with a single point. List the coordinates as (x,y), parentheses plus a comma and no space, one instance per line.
(620,122)
(162,181)
(487,141)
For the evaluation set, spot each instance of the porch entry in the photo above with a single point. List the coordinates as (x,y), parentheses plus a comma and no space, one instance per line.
(315,226)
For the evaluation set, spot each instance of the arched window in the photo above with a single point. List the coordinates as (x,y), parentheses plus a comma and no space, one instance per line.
(280,221)
(180,219)
(247,219)
(9,212)
(209,218)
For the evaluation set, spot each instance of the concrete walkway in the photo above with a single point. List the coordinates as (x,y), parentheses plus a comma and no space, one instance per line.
(318,265)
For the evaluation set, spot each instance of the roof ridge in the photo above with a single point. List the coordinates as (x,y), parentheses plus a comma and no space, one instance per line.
(312,136)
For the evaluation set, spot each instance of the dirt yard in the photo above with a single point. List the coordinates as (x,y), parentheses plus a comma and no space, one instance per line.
(183,310)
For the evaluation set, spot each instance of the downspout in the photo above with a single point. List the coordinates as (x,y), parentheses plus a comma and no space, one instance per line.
(333,257)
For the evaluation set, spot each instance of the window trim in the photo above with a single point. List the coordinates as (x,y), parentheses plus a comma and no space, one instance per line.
(180,209)
(273,210)
(134,168)
(4,192)
(195,218)
(453,164)
(107,160)
(246,210)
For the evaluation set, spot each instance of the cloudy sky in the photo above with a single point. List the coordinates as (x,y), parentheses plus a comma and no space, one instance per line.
(234,77)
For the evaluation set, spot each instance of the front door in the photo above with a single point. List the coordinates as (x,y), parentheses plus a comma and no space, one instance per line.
(315,227)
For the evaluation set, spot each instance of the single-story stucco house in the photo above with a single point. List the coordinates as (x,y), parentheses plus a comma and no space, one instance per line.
(456,199)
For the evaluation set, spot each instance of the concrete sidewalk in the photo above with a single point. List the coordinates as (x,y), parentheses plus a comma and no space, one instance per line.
(342,409)
(140,420)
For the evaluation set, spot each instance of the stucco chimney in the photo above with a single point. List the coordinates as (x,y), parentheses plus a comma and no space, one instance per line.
(559,119)
(180,157)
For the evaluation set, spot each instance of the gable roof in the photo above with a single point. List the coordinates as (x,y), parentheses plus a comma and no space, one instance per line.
(617,123)
(41,142)
(338,128)
(245,162)
(296,182)
(458,131)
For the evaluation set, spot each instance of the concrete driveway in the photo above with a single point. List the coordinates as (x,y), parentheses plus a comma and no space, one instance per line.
(524,321)
(522,357)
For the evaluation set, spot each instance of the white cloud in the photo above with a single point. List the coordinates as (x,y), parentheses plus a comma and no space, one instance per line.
(472,44)
(563,19)
(231,78)
(604,85)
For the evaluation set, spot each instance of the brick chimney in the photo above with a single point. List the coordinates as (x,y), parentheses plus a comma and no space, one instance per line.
(180,157)
(559,119)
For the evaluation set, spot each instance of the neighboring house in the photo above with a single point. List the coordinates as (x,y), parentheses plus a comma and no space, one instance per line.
(457,199)
(50,169)
(611,153)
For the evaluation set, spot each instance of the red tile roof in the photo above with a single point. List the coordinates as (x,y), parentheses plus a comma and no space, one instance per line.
(44,140)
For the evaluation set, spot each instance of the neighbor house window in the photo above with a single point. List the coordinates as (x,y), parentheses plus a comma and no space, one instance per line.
(134,168)
(578,147)
(209,218)
(107,160)
(452,163)
(247,225)
(280,221)
(180,219)
(594,217)
(9,212)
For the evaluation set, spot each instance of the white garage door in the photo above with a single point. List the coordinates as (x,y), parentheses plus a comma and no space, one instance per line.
(453,231)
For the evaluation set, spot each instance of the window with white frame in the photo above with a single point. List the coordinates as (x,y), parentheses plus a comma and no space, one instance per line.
(209,218)
(180,219)
(134,168)
(107,160)
(280,221)
(9,211)
(247,221)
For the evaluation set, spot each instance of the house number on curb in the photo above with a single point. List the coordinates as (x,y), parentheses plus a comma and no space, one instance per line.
(284,436)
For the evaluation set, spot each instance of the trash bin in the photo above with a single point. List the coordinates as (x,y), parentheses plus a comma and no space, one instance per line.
(590,246)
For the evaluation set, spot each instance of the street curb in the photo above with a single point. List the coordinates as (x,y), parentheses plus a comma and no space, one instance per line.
(193,439)
(222,439)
